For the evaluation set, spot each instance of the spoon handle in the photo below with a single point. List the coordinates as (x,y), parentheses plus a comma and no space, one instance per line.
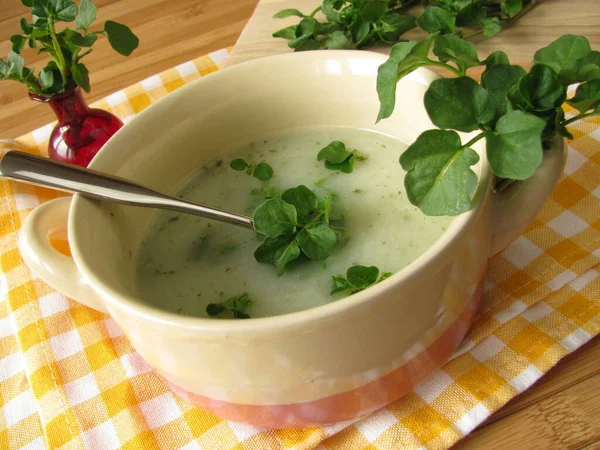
(45,172)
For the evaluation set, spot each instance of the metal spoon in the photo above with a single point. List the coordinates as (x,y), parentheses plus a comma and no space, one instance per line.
(45,172)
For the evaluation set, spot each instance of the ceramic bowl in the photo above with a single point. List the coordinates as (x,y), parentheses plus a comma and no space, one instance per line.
(326,364)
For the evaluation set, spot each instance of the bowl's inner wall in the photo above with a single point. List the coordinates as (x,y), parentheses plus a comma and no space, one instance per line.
(168,142)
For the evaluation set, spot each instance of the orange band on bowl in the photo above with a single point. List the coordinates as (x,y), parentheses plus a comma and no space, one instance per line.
(346,405)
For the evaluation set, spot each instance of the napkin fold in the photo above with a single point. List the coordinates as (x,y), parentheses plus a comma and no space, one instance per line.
(70,379)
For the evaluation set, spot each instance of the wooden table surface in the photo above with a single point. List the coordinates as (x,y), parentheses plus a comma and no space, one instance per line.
(562,410)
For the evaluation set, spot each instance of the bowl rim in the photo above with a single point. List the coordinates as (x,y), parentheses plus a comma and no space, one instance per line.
(290,322)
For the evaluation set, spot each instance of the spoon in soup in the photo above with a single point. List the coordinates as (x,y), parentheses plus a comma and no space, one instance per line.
(45,172)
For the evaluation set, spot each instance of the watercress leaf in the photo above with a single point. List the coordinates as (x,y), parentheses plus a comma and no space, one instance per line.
(346,166)
(588,67)
(308,44)
(435,19)
(304,200)
(511,7)
(286,33)
(514,149)
(458,103)
(65,10)
(307,27)
(81,76)
(334,152)
(3,68)
(274,218)
(542,89)
(263,172)
(26,28)
(288,13)
(362,276)
(39,11)
(87,14)
(564,55)
(18,42)
(362,32)
(498,80)
(439,179)
(587,96)
(450,47)
(121,38)
(339,284)
(28,3)
(374,10)
(238,306)
(384,276)
(278,251)
(387,78)
(39,34)
(238,164)
(471,15)
(330,12)
(491,26)
(46,79)
(317,240)
(214,309)
(338,40)
(77,39)
(495,58)
(15,65)
(395,25)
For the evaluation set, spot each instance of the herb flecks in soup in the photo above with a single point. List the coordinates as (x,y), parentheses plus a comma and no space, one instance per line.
(188,263)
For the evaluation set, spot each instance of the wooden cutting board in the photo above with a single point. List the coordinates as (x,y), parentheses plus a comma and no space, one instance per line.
(546,22)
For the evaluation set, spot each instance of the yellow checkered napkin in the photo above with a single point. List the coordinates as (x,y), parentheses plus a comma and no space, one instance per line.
(70,379)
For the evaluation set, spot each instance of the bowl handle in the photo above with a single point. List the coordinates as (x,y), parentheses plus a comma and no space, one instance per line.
(516,207)
(54,268)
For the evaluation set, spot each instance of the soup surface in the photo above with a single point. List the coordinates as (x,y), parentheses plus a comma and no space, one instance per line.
(187,262)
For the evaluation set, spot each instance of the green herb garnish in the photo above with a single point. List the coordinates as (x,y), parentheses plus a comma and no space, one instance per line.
(262,170)
(66,47)
(237,306)
(517,113)
(357,279)
(295,223)
(338,158)
(352,24)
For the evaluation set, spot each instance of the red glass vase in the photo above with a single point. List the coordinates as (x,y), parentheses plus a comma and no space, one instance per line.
(81,131)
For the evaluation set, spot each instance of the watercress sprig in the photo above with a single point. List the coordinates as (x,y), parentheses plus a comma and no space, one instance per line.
(357,278)
(516,112)
(262,171)
(294,223)
(66,47)
(352,24)
(336,157)
(238,306)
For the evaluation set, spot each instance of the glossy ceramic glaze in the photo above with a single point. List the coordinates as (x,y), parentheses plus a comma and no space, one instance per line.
(317,366)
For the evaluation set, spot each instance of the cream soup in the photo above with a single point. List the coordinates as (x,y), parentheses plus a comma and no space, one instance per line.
(187,262)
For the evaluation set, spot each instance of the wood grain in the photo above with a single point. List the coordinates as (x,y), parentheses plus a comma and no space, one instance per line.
(562,409)
(170,32)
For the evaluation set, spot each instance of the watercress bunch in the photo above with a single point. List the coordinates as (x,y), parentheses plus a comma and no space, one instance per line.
(358,23)
(67,47)
(516,112)
(294,223)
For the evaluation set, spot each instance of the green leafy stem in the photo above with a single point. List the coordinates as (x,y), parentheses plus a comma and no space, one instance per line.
(353,24)
(517,112)
(66,47)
